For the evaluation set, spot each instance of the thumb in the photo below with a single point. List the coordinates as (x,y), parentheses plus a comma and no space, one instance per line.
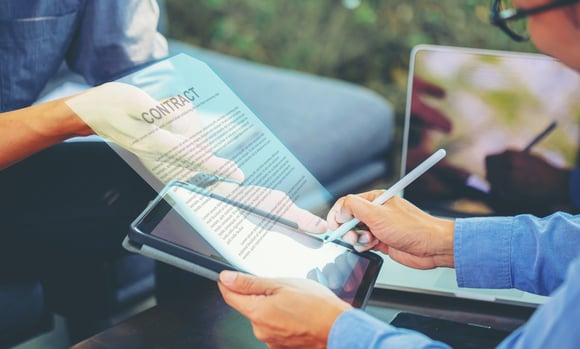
(246,284)
(244,292)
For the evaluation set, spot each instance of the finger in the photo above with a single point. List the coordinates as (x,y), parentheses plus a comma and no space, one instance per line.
(334,276)
(242,303)
(306,220)
(320,277)
(246,284)
(339,213)
(342,215)
(363,209)
(370,195)
(350,237)
(331,216)
(288,210)
(223,168)
(312,223)
(410,260)
(365,241)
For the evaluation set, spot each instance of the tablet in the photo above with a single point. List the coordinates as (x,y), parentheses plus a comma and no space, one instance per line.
(190,228)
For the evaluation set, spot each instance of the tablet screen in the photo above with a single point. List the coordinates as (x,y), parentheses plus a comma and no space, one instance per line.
(218,235)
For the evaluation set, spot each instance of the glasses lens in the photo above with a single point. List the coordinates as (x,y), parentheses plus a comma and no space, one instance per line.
(516,26)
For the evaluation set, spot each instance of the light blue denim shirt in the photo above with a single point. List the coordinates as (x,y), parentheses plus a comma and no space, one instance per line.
(532,254)
(99,39)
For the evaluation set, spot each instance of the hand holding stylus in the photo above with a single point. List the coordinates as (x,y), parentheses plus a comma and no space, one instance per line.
(389,193)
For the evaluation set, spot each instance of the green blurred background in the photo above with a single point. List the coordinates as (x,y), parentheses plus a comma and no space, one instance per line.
(367,42)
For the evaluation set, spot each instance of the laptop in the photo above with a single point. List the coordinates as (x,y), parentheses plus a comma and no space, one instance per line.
(489,101)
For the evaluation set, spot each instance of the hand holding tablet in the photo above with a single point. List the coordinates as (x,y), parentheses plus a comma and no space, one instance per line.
(206,235)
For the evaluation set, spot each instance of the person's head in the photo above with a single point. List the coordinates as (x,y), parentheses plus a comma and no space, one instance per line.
(554,31)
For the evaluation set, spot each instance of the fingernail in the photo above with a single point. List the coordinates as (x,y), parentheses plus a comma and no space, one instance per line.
(349,239)
(227,277)
(363,240)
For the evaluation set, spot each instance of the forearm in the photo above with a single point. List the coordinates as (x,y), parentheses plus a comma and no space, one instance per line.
(29,130)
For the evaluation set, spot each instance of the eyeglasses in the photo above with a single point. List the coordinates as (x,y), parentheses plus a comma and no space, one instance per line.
(505,16)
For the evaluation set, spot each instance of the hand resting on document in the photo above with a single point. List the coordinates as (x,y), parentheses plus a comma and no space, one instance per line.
(272,201)
(173,147)
(167,144)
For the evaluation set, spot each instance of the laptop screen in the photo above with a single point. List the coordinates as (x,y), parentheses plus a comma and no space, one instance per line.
(477,103)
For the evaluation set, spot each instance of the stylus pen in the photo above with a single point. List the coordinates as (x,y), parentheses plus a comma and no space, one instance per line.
(389,193)
(251,209)
(541,136)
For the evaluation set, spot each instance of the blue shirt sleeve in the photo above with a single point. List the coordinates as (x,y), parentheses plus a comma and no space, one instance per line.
(555,323)
(355,329)
(540,255)
(524,252)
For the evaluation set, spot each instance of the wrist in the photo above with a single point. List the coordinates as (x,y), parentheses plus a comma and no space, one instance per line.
(54,121)
(69,123)
(331,318)
(444,251)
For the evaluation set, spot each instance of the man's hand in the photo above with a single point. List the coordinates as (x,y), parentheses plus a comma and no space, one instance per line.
(172,145)
(125,114)
(285,313)
(397,228)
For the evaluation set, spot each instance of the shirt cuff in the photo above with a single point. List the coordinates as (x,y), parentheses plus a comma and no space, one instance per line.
(482,252)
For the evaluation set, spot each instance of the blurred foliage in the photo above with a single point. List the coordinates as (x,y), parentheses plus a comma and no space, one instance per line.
(367,42)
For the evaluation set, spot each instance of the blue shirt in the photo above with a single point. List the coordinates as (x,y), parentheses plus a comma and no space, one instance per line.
(99,39)
(539,255)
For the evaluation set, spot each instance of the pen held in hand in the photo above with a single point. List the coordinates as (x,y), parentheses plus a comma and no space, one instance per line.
(541,135)
(389,193)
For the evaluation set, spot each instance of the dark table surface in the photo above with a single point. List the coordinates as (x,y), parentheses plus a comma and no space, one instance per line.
(203,320)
